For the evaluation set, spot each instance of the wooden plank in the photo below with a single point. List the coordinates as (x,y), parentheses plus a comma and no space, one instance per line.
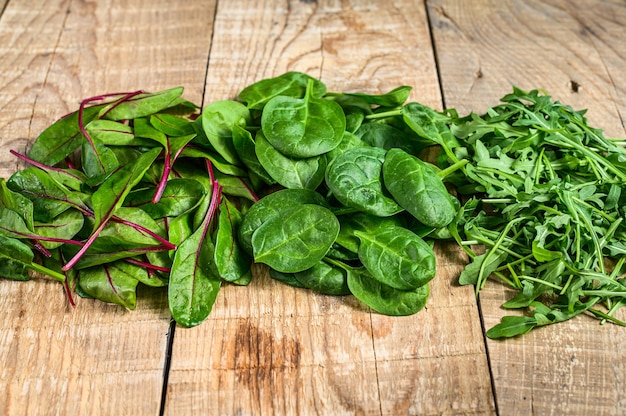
(570,50)
(96,358)
(273,349)
(574,52)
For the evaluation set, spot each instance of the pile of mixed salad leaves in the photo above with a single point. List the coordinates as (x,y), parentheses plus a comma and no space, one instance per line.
(330,191)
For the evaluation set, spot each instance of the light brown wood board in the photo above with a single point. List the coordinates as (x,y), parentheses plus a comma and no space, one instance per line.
(268,348)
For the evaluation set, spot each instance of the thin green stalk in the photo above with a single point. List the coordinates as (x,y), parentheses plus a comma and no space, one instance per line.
(543,282)
(48,272)
(452,168)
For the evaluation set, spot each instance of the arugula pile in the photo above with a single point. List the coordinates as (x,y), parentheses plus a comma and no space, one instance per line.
(326,189)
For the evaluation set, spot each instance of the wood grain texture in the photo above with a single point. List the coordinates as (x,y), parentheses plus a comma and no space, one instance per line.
(569,49)
(269,349)
(574,52)
(94,359)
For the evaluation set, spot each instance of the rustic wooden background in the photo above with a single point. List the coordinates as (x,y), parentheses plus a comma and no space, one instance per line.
(269,349)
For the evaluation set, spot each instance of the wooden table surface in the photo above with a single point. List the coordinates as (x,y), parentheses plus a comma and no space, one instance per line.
(269,349)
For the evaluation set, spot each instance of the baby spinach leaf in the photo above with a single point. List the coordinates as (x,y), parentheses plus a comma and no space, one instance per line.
(397,257)
(324,278)
(417,189)
(363,222)
(272,206)
(98,161)
(383,298)
(303,127)
(218,119)
(297,239)
(431,125)
(171,125)
(291,173)
(348,141)
(286,278)
(16,202)
(387,137)
(49,197)
(217,161)
(291,84)
(354,178)
(236,186)
(394,98)
(245,147)
(141,273)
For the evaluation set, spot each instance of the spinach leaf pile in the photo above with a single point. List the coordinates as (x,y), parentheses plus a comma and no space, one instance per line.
(328,190)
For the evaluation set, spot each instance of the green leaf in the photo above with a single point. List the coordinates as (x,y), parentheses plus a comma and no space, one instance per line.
(218,120)
(141,105)
(291,173)
(418,189)
(15,259)
(303,127)
(355,179)
(179,196)
(297,239)
(324,278)
(62,138)
(111,284)
(397,257)
(290,84)
(393,98)
(231,261)
(511,326)
(383,298)
(194,281)
(271,206)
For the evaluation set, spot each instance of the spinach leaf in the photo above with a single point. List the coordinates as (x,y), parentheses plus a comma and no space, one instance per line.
(291,84)
(194,280)
(49,197)
(62,138)
(417,189)
(303,127)
(141,104)
(394,98)
(110,196)
(297,239)
(15,259)
(272,206)
(179,196)
(397,257)
(383,298)
(324,278)
(354,178)
(305,173)
(218,119)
